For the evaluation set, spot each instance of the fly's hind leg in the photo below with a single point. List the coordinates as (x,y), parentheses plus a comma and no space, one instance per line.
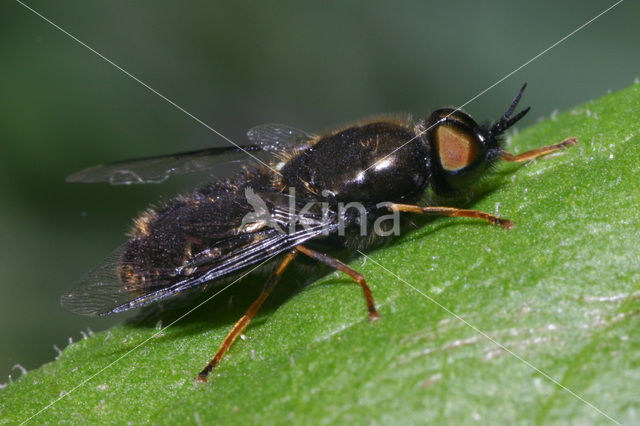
(239,327)
(357,276)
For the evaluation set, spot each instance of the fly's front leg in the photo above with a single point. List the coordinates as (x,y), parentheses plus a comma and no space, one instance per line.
(539,152)
(494,220)
(452,212)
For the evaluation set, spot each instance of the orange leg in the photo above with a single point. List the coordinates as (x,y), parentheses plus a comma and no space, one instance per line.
(357,276)
(239,327)
(535,153)
(453,212)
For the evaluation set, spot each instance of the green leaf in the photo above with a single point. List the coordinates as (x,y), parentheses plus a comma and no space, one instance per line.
(560,293)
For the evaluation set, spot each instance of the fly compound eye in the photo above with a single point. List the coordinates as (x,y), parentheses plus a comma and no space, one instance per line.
(456,148)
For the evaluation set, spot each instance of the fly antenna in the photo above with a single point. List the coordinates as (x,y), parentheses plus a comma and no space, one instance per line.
(506,120)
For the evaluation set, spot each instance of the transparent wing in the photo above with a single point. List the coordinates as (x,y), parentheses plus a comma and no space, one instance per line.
(279,137)
(157,169)
(101,291)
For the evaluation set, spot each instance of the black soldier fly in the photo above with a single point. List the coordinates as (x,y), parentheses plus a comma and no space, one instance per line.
(384,165)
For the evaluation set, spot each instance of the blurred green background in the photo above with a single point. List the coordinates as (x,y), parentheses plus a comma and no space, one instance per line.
(234,65)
